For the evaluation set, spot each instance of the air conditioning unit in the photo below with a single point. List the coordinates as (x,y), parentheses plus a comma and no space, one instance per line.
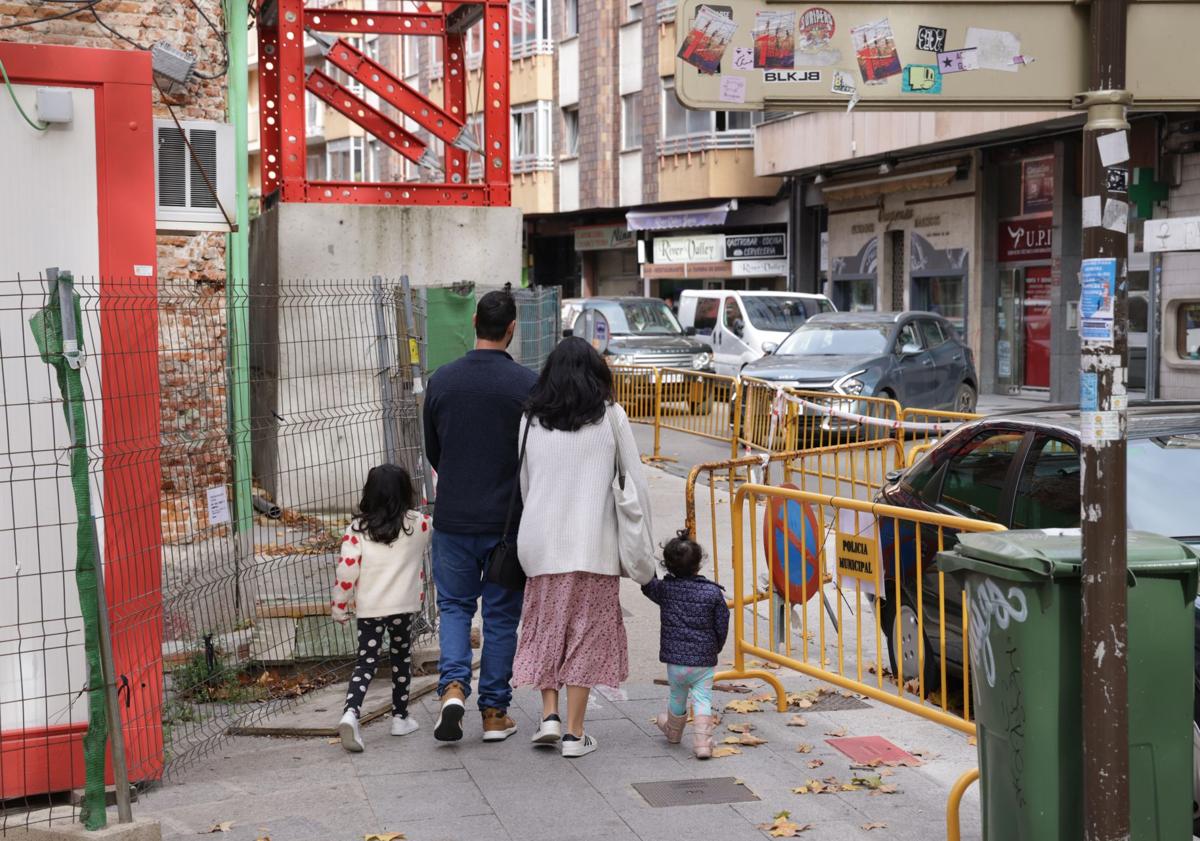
(184,201)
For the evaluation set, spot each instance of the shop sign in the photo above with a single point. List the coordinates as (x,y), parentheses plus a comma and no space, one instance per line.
(703,249)
(1037,185)
(604,237)
(755,246)
(683,271)
(1025,240)
(759,268)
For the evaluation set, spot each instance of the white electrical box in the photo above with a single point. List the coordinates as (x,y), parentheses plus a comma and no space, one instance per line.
(193,184)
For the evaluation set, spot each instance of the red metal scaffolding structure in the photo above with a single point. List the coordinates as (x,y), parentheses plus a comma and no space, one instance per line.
(284,82)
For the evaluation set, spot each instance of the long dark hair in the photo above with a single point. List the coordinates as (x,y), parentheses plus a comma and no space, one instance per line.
(574,388)
(387,498)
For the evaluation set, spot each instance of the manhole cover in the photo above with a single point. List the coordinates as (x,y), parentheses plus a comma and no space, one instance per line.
(705,792)
(833,702)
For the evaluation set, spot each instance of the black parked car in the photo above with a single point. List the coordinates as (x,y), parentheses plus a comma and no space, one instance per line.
(1022,471)
(916,358)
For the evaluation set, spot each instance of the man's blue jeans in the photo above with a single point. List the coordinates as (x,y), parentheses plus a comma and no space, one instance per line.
(458,561)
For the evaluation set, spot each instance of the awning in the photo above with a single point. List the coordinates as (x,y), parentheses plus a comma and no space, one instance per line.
(666,220)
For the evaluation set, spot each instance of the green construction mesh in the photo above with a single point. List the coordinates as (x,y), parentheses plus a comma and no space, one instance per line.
(47,327)
(448,324)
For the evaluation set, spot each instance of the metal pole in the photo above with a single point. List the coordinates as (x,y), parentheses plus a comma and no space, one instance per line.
(1103,364)
(116,733)
(387,386)
(237,300)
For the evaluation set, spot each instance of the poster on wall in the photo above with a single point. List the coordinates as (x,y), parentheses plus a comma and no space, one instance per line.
(875,49)
(1037,186)
(706,42)
(1098,282)
(775,40)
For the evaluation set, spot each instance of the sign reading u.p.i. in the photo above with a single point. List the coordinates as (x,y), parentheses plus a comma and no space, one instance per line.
(856,549)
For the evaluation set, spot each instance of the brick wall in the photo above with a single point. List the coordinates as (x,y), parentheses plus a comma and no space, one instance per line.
(600,102)
(191,268)
(651,101)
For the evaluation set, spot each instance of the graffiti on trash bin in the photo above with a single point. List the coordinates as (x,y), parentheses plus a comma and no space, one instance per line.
(1013,702)
(989,603)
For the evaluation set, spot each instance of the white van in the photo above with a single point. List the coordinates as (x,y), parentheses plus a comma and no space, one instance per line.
(745,326)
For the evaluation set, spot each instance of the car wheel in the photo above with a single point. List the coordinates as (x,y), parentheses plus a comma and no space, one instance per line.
(965,398)
(905,628)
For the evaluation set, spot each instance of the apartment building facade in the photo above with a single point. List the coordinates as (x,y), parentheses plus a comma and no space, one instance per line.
(605,160)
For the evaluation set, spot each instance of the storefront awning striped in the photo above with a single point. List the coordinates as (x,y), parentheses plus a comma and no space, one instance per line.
(667,220)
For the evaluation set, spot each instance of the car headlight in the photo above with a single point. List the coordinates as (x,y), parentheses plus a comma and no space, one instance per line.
(850,384)
(701,361)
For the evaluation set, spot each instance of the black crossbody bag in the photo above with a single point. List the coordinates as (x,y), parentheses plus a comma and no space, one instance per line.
(503,566)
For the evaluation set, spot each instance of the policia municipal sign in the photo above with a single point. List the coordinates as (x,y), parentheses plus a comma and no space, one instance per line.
(856,549)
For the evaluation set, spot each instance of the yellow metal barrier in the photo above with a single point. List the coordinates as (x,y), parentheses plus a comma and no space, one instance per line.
(695,402)
(954,802)
(939,425)
(635,390)
(921,532)
(812,419)
(857,470)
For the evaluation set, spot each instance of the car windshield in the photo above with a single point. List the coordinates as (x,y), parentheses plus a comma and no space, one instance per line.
(851,338)
(781,313)
(638,317)
(1161,491)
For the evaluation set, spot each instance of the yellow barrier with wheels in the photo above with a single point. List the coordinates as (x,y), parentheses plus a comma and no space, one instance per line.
(860,570)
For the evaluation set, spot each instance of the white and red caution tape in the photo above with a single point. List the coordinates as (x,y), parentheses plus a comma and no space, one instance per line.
(854,417)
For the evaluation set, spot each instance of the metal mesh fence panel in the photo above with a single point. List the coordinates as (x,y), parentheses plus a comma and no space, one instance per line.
(212,627)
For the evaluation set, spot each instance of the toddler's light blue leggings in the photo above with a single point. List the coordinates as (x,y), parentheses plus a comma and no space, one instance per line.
(696,681)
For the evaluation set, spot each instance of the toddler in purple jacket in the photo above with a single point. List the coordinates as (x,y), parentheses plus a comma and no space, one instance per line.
(695,622)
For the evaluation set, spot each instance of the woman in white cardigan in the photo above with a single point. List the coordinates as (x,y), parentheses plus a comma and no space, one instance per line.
(572,633)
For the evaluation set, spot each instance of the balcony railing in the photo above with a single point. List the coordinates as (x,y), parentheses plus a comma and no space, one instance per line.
(706,141)
(532,163)
(528,49)
(665,13)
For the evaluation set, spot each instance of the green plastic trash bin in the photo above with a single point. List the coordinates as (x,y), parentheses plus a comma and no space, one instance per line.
(1023,594)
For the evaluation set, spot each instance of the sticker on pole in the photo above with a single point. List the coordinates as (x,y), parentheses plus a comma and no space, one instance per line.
(1098,283)
(792,539)
(855,547)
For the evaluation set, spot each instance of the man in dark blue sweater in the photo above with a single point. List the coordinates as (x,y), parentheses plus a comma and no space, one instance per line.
(472,415)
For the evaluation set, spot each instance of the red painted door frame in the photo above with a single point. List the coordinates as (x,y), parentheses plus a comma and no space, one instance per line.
(51,758)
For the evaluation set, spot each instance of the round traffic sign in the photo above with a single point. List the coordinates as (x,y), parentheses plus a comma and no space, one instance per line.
(793,552)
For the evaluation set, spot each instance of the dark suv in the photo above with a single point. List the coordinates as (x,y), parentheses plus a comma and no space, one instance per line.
(1022,471)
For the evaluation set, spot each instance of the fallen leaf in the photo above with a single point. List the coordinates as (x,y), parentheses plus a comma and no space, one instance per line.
(818,787)
(730,687)
(797,721)
(743,727)
(924,753)
(886,772)
(263,838)
(720,752)
(738,782)
(730,740)
(804,704)
(743,707)
(804,747)
(887,788)
(765,696)
(781,827)
(751,741)
(333,741)
(874,825)
(837,734)
(815,763)
(384,836)
(971,740)
(223,826)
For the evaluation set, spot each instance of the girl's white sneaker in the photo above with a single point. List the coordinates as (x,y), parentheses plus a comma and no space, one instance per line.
(348,731)
(575,748)
(404,726)
(549,732)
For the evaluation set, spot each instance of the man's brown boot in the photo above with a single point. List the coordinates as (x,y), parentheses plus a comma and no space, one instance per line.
(449,723)
(497,726)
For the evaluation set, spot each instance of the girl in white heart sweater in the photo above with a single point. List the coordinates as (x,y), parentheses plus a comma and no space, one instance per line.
(379,577)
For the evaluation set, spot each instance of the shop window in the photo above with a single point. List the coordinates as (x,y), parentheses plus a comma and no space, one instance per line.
(1188,330)
(854,295)
(631,121)
(706,315)
(945,296)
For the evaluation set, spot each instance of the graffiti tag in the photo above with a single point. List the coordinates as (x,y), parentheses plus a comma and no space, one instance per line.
(990,604)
